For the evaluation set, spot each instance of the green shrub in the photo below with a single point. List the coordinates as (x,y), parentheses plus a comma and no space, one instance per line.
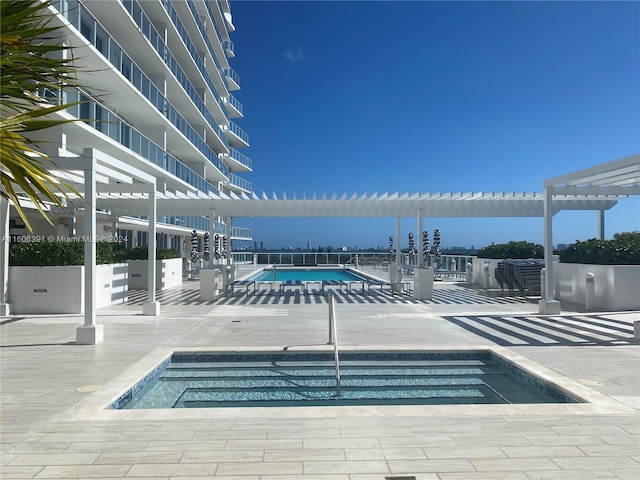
(623,249)
(45,253)
(512,250)
(142,253)
(41,254)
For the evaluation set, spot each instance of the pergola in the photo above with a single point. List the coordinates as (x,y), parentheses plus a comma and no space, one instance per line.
(619,178)
(112,185)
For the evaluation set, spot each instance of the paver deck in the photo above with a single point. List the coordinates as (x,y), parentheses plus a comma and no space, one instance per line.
(46,378)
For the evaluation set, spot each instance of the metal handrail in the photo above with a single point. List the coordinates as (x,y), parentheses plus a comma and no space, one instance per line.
(333,340)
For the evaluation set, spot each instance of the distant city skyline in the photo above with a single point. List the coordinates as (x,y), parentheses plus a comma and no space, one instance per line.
(355,97)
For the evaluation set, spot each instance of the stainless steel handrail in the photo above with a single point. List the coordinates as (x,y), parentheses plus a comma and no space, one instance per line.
(333,340)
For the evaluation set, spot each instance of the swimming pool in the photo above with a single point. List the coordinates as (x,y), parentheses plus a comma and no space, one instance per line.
(297,379)
(306,275)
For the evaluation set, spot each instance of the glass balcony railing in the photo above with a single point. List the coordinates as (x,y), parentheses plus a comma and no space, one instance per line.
(173,15)
(219,228)
(239,157)
(235,103)
(91,29)
(199,223)
(240,182)
(231,73)
(203,32)
(241,232)
(229,48)
(237,131)
(140,18)
(110,124)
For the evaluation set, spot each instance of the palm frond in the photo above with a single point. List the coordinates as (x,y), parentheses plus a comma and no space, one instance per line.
(32,60)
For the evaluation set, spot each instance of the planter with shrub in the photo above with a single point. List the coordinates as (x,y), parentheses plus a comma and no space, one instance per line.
(48,277)
(168,268)
(491,255)
(615,265)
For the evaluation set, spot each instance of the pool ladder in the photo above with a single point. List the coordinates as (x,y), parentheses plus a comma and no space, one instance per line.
(333,340)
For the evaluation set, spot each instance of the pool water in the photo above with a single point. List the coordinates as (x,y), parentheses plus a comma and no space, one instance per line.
(306,275)
(308,379)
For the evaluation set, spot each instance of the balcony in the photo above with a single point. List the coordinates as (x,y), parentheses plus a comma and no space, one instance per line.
(237,137)
(237,161)
(234,107)
(241,233)
(233,79)
(229,48)
(237,183)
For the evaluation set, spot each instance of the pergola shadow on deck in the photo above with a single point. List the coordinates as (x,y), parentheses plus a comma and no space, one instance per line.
(444,294)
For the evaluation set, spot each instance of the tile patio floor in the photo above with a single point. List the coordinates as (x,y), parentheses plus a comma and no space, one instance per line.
(46,377)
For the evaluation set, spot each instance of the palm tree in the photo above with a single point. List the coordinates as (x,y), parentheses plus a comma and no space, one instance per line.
(32,61)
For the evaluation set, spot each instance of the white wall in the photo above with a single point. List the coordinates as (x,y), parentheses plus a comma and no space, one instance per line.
(168,273)
(478,271)
(617,286)
(61,289)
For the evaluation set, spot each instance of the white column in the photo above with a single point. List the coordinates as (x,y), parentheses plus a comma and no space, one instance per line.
(151,308)
(212,232)
(5,307)
(548,305)
(398,246)
(231,269)
(423,276)
(114,227)
(601,224)
(71,213)
(90,333)
(419,239)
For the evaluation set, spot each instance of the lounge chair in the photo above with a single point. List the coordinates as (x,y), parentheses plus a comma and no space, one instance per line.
(332,283)
(376,283)
(291,283)
(241,283)
(350,284)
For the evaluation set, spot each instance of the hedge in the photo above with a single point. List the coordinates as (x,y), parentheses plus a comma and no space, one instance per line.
(41,254)
(623,249)
(512,250)
(142,253)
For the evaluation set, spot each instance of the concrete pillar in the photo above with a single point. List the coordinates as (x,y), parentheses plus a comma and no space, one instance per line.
(423,283)
(151,308)
(114,228)
(90,333)
(5,307)
(548,305)
(71,215)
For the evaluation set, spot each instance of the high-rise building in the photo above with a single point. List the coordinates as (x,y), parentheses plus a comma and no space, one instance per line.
(156,94)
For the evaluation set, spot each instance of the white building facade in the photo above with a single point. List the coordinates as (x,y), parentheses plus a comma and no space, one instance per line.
(157,95)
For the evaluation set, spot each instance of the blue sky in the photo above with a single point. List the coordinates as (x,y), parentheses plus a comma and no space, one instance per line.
(421,96)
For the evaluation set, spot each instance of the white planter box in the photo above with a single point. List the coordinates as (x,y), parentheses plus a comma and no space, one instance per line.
(168,273)
(479,273)
(423,283)
(617,286)
(61,289)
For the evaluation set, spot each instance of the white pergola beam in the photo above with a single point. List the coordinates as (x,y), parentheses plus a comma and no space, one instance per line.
(631,162)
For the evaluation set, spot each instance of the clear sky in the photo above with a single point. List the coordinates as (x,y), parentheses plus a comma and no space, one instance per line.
(422,96)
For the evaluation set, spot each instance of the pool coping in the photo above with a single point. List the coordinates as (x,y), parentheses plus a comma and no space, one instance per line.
(94,406)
